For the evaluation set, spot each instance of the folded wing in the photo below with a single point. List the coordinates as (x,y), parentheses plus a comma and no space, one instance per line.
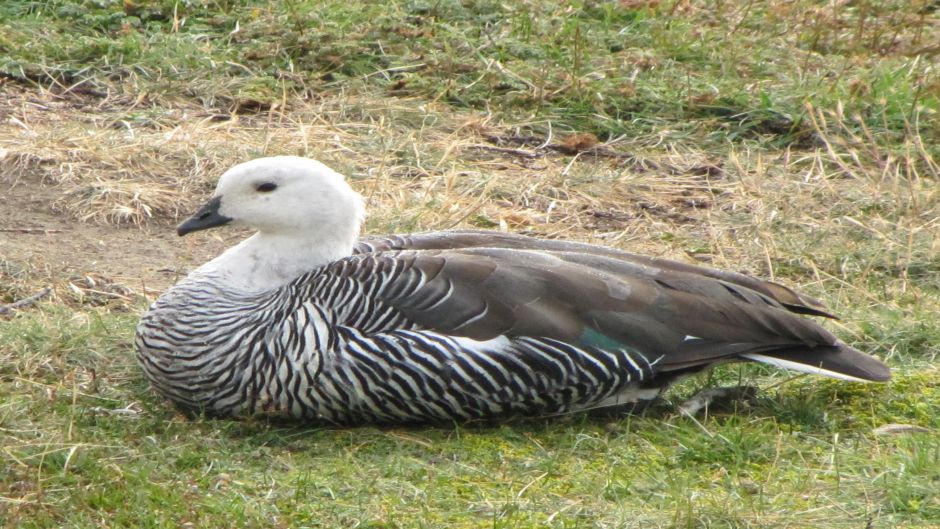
(485,285)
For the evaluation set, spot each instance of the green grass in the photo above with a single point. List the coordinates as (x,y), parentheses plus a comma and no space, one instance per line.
(799,456)
(794,140)
(716,71)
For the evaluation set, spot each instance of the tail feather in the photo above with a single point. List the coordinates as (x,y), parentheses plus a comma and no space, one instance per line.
(836,361)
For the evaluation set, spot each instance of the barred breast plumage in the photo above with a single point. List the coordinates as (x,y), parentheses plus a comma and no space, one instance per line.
(304,321)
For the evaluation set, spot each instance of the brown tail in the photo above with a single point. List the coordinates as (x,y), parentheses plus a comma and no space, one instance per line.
(837,361)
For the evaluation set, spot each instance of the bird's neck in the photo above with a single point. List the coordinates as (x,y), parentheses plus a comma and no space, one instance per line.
(266,261)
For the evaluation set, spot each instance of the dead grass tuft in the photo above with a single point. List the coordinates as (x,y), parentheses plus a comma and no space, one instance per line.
(118,202)
(16,163)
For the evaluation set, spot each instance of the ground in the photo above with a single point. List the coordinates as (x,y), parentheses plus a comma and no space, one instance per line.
(792,140)
(36,232)
(31,231)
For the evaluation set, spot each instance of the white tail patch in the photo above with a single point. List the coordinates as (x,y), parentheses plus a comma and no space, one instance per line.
(630,395)
(802,368)
(689,338)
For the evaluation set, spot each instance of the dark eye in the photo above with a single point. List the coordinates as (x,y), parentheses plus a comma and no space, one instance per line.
(266,187)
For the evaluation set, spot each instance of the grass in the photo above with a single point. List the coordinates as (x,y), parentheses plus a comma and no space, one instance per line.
(723,68)
(792,140)
(799,456)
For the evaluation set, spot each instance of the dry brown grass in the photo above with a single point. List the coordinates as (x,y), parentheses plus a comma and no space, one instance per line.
(417,163)
(425,166)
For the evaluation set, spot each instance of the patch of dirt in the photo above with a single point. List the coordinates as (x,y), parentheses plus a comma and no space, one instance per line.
(42,242)
(145,259)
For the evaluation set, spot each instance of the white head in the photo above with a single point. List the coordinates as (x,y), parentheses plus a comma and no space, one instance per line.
(283,195)
(305,213)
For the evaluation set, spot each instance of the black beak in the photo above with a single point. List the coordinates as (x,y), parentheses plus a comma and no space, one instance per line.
(207,217)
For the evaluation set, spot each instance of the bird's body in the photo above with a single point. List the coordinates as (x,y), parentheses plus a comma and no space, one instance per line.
(303,321)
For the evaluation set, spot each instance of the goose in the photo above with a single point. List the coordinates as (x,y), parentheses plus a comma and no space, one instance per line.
(304,320)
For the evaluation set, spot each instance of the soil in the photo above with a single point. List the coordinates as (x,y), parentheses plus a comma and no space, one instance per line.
(34,236)
(44,246)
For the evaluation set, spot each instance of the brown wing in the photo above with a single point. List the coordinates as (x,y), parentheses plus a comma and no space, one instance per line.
(598,299)
(445,240)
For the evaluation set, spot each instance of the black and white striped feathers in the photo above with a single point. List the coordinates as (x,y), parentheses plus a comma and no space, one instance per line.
(298,322)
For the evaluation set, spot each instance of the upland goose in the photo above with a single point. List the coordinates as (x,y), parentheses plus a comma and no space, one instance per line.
(305,320)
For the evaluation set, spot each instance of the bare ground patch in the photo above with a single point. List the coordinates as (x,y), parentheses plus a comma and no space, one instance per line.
(50,247)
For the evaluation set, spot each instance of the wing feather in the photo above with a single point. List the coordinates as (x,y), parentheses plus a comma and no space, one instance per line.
(483,285)
(444,240)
